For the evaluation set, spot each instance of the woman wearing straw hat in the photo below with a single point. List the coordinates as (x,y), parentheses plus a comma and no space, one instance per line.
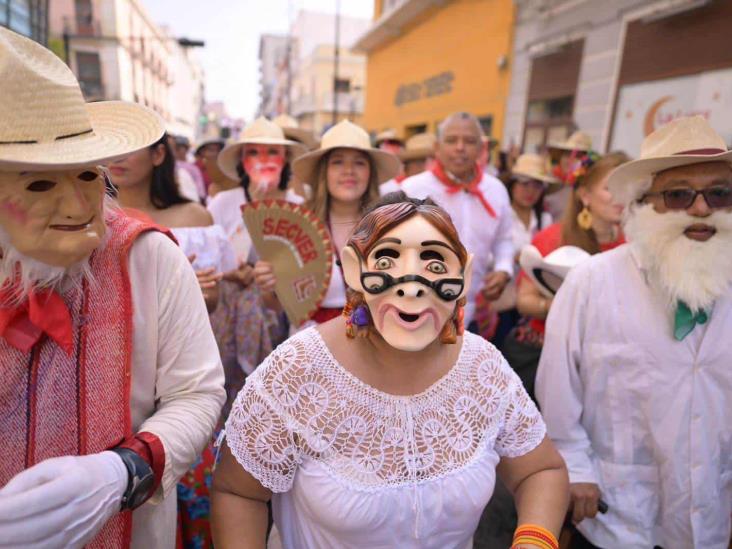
(112,381)
(565,156)
(591,222)
(529,183)
(345,173)
(260,161)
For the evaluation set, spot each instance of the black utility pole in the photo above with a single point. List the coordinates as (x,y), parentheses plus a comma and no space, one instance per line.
(335,61)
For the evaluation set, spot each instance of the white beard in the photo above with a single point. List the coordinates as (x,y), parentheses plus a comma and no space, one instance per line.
(697,273)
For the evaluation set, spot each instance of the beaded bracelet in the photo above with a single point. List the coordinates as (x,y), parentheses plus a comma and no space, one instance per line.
(534,535)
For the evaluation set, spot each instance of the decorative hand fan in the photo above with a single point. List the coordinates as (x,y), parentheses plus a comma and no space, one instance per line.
(298,246)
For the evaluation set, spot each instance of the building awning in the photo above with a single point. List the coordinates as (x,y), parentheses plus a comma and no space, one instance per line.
(392,23)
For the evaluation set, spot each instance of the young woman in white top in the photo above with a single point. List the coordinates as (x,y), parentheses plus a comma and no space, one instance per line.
(346,173)
(527,186)
(385,427)
(145,182)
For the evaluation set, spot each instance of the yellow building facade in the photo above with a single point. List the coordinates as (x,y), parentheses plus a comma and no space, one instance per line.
(429,58)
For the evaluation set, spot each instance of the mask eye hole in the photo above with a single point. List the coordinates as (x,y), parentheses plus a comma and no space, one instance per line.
(88,175)
(450,290)
(373,283)
(437,267)
(40,186)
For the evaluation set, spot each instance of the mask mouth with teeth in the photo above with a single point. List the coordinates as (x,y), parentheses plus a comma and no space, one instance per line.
(407,274)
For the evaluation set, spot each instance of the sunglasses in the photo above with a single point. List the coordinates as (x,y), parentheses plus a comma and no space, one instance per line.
(719,196)
(447,289)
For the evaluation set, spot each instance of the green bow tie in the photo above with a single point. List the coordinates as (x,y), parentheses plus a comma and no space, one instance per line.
(684,321)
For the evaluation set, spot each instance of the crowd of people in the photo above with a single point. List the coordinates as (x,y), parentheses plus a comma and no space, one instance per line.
(149,362)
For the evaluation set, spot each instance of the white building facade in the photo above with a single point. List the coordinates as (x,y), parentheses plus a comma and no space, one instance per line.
(118,52)
(617,70)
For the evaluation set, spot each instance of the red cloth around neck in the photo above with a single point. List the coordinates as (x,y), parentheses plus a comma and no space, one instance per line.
(43,312)
(471,187)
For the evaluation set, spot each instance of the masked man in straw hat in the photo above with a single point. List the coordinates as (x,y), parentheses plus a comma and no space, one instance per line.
(477,203)
(635,381)
(112,382)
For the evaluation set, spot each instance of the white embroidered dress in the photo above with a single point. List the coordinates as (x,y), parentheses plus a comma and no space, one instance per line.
(351,466)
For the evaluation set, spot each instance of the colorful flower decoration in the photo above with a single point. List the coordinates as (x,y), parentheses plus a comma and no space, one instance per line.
(580,162)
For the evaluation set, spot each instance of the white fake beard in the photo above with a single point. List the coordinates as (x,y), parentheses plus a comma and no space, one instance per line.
(683,269)
(30,273)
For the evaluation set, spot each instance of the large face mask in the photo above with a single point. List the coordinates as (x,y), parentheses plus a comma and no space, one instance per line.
(263,164)
(410,281)
(53,217)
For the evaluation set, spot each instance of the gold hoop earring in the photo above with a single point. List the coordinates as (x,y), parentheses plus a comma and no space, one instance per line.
(584,219)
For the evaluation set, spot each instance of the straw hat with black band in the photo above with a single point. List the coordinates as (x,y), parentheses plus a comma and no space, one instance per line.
(346,135)
(45,124)
(206,142)
(293,131)
(260,132)
(681,142)
(578,141)
(534,166)
(387,135)
(418,147)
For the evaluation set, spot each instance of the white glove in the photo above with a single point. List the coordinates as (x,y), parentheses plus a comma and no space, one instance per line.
(61,502)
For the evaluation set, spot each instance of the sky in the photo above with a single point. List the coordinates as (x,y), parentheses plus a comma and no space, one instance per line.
(231,30)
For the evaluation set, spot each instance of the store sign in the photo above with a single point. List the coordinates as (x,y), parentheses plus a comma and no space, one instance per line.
(646,106)
(430,87)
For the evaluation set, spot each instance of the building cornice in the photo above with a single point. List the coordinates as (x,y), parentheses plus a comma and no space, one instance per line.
(392,23)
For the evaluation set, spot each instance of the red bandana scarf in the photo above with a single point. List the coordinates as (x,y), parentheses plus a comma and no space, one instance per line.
(471,187)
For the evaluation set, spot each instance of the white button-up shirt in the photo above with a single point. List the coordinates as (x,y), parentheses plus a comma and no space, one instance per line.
(645,417)
(487,238)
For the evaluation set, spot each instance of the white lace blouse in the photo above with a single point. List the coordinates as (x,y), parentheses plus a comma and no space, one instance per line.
(351,466)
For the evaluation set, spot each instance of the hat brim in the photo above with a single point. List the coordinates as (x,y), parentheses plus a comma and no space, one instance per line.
(230,157)
(416,154)
(547,276)
(207,142)
(304,137)
(387,165)
(622,181)
(564,147)
(118,128)
(553,184)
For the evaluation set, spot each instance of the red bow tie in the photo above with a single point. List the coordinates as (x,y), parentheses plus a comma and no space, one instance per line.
(44,312)
(471,187)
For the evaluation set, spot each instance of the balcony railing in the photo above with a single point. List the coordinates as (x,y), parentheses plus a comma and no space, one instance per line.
(82,25)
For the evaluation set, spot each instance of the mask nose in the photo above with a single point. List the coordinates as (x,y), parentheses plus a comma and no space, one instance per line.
(411,289)
(72,202)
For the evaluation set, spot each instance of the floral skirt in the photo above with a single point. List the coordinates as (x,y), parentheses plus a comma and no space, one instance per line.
(194,503)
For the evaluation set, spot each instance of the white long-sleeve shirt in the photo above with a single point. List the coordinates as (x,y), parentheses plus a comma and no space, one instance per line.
(646,417)
(177,379)
(488,238)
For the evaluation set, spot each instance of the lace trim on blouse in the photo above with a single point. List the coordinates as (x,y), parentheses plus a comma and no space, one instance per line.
(302,403)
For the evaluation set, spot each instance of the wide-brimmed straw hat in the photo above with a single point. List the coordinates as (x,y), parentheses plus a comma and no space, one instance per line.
(387,135)
(45,123)
(534,166)
(346,135)
(419,146)
(684,141)
(292,130)
(578,141)
(259,132)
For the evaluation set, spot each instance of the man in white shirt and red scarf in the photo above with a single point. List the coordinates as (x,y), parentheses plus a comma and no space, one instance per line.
(635,379)
(111,379)
(478,204)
